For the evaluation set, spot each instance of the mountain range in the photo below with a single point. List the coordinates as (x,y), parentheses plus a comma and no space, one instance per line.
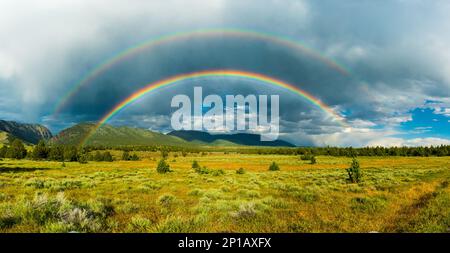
(29,133)
(109,135)
(224,139)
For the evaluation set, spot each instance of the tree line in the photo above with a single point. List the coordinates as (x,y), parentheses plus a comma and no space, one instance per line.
(441,150)
(43,151)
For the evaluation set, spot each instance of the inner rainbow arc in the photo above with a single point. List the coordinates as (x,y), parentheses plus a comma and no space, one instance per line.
(213,73)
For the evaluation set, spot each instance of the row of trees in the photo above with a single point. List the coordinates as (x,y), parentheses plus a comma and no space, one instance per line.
(42,151)
(442,150)
(16,150)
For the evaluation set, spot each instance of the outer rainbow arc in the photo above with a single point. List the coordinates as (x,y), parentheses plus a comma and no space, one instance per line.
(211,73)
(101,68)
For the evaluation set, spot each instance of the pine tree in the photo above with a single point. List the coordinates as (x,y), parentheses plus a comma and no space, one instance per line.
(107,157)
(17,150)
(354,172)
(40,151)
(70,154)
(3,151)
(163,167)
(56,153)
(125,155)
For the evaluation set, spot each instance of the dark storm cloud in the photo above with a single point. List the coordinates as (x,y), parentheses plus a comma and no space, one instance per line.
(192,56)
(397,53)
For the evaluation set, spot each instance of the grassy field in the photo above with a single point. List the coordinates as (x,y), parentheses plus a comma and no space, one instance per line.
(397,194)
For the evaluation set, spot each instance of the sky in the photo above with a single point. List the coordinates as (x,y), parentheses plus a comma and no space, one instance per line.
(396,52)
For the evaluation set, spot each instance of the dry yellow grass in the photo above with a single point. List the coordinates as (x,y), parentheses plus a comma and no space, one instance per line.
(397,194)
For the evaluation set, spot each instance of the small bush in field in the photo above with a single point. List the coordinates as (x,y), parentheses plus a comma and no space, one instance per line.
(164,154)
(240,171)
(83,159)
(163,167)
(218,172)
(274,167)
(195,165)
(246,212)
(199,169)
(166,200)
(134,157)
(139,225)
(313,160)
(125,156)
(305,157)
(354,172)
(202,170)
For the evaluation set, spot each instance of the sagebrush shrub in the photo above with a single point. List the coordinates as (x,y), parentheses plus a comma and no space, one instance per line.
(166,200)
(195,165)
(163,167)
(274,167)
(313,160)
(240,171)
(218,172)
(305,157)
(354,172)
(246,211)
(139,225)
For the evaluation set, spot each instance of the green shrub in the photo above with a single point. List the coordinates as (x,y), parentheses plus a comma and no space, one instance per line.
(202,170)
(164,154)
(274,167)
(83,159)
(70,154)
(107,157)
(163,167)
(354,172)
(134,157)
(139,225)
(313,160)
(35,183)
(166,200)
(218,172)
(3,151)
(305,157)
(8,220)
(196,192)
(16,150)
(240,171)
(40,151)
(246,211)
(56,153)
(195,165)
(125,156)
(98,156)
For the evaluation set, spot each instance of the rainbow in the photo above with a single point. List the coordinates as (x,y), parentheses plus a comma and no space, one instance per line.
(205,33)
(212,73)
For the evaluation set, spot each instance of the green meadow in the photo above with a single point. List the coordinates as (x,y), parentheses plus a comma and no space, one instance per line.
(232,193)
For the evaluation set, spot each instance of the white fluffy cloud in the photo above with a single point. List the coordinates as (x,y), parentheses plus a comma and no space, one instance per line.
(392,141)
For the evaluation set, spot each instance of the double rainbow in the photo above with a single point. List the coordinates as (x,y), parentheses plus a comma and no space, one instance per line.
(213,73)
(205,33)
